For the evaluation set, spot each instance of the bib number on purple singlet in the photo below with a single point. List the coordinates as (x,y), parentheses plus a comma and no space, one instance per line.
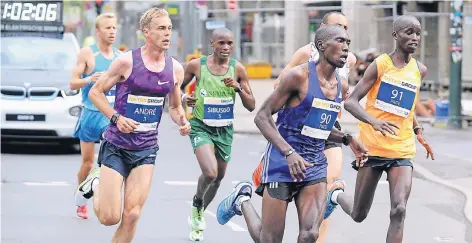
(146,110)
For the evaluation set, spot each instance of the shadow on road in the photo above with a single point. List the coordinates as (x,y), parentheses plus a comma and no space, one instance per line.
(43,149)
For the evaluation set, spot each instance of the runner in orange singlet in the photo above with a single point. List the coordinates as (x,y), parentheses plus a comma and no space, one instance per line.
(387,128)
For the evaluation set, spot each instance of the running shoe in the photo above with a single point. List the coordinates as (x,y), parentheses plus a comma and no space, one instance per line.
(197,218)
(196,235)
(229,206)
(84,191)
(330,205)
(82,212)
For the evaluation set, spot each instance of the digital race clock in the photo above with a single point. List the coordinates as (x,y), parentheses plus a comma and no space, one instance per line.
(31,16)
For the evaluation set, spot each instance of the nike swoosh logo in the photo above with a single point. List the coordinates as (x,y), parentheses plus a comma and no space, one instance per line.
(161,83)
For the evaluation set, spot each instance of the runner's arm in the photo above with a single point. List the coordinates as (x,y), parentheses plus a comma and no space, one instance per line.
(176,110)
(289,87)
(423,71)
(190,71)
(77,82)
(301,56)
(362,88)
(345,88)
(246,94)
(345,82)
(110,78)
(336,136)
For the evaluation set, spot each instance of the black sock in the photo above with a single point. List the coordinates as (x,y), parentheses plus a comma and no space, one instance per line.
(197,202)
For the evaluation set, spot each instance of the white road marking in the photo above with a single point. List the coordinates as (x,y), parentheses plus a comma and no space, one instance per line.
(237,135)
(181,183)
(383,182)
(230,224)
(443,239)
(50,183)
(255,153)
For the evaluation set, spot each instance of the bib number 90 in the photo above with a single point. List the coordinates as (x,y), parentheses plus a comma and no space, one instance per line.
(325,119)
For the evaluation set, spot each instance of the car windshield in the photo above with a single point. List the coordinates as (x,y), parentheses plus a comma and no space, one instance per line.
(37,53)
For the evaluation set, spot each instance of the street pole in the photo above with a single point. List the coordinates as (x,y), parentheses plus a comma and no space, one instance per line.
(455,80)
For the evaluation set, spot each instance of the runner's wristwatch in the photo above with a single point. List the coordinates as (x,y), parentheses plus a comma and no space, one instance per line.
(114,118)
(347,138)
(290,152)
(416,129)
(239,88)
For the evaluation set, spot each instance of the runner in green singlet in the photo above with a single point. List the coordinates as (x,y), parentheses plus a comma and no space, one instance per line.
(219,78)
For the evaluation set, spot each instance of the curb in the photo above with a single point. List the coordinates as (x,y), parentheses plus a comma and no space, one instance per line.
(434,178)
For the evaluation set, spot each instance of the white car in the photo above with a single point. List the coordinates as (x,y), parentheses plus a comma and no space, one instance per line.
(36,102)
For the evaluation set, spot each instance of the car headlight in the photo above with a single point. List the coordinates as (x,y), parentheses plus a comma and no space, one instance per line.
(75,111)
(69,92)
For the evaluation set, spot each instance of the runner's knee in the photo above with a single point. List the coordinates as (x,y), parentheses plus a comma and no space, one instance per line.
(108,218)
(210,175)
(219,177)
(308,236)
(269,236)
(359,215)
(87,163)
(131,215)
(398,212)
(87,159)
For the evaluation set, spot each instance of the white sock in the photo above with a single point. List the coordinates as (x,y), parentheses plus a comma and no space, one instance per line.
(240,201)
(334,196)
(95,183)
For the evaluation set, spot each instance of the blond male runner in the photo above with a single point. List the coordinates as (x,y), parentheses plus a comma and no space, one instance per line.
(143,78)
(92,61)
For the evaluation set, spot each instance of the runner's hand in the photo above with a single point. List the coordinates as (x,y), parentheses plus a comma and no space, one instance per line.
(384,126)
(184,128)
(191,100)
(126,125)
(297,166)
(420,138)
(230,82)
(360,152)
(96,76)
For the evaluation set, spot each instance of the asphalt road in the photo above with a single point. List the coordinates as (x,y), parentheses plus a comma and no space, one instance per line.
(38,185)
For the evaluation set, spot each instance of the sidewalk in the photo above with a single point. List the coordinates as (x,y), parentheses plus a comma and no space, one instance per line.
(452,166)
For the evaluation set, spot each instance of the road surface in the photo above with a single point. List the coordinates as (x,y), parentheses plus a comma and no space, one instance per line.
(38,185)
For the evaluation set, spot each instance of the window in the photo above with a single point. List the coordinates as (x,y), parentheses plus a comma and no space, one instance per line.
(33,53)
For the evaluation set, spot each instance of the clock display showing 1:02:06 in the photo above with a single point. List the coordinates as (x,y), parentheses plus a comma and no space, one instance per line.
(18,11)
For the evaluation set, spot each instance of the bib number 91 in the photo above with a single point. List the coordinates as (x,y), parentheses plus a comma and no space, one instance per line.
(396,93)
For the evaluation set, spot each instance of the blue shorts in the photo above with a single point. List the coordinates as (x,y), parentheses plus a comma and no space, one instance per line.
(123,161)
(90,125)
